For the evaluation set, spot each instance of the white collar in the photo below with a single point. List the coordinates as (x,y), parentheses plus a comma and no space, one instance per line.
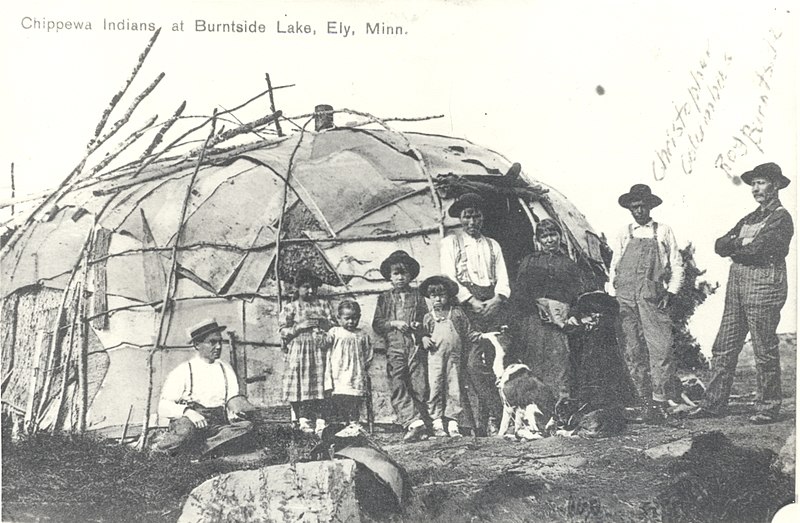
(478,239)
(199,359)
(646,225)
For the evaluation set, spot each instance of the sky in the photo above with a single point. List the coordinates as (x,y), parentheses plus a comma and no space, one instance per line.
(590,97)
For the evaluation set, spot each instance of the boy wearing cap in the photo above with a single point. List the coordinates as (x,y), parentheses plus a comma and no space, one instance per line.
(201,397)
(398,317)
(756,292)
(646,272)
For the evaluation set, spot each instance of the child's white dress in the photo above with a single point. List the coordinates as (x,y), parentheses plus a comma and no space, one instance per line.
(349,357)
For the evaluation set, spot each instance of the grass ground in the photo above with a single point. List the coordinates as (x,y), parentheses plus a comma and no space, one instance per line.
(724,477)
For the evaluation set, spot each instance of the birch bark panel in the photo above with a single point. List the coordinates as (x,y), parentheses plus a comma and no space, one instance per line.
(36,311)
(102,241)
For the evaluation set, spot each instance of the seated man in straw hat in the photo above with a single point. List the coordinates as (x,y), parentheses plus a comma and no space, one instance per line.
(201,397)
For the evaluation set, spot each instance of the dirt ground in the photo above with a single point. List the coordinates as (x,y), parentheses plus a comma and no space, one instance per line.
(482,479)
(577,479)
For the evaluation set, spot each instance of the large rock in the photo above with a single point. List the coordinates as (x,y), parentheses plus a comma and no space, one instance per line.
(319,491)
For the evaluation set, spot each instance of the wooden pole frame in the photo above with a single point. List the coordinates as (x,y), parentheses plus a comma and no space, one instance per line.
(166,309)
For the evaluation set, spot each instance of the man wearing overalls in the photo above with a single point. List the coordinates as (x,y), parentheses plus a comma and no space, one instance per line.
(476,263)
(201,397)
(645,274)
(756,292)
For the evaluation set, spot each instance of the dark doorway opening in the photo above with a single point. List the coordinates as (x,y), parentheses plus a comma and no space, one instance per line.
(508,223)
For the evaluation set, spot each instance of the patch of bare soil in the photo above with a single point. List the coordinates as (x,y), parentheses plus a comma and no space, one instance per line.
(724,476)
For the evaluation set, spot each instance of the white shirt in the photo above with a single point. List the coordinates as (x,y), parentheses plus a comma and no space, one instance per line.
(667,250)
(479,254)
(206,384)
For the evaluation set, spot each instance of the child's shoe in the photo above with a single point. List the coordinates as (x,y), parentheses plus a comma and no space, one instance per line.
(304,424)
(415,432)
(321,425)
(452,428)
(438,428)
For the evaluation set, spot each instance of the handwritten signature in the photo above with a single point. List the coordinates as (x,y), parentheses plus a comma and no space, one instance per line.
(693,116)
(749,134)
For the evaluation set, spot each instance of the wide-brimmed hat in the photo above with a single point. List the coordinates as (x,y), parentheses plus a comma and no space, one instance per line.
(466,201)
(640,192)
(596,301)
(400,257)
(204,329)
(770,171)
(450,286)
(306,277)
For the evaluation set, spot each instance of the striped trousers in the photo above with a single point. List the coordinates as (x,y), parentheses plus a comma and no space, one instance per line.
(753,301)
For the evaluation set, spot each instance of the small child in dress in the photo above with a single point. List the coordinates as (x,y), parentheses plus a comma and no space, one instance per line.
(348,358)
(398,317)
(304,324)
(447,334)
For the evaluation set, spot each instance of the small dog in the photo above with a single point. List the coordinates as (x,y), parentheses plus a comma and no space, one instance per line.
(527,401)
(575,419)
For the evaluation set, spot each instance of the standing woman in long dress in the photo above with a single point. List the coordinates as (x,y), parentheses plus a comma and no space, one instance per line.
(304,324)
(548,284)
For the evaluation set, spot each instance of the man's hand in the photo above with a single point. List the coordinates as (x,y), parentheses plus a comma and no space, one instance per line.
(401,326)
(428,344)
(307,325)
(746,241)
(665,301)
(239,408)
(195,417)
(491,305)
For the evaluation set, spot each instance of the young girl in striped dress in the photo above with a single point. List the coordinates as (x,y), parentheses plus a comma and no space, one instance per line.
(304,324)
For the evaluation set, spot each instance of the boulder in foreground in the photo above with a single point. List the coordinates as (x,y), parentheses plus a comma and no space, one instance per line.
(314,491)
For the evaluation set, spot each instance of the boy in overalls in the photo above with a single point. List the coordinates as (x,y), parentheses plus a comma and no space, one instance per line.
(446,335)
(645,274)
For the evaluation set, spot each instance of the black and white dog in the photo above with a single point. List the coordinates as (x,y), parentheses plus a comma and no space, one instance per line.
(527,401)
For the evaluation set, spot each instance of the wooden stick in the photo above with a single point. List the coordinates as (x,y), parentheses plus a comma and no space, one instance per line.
(279,232)
(193,129)
(239,295)
(125,427)
(35,362)
(134,104)
(272,105)
(121,147)
(83,360)
(169,290)
(160,135)
(166,172)
(241,373)
(65,365)
(13,189)
(92,146)
(413,119)
(269,245)
(57,323)
(116,98)
(246,128)
(370,408)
